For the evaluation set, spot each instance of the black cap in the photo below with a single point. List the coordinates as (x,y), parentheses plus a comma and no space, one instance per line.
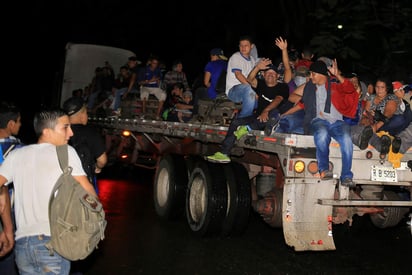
(73,105)
(319,67)
(271,67)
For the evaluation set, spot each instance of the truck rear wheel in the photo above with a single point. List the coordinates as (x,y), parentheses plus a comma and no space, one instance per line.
(206,199)
(239,199)
(169,187)
(391,216)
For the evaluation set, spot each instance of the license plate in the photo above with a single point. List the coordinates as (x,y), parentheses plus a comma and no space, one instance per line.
(381,173)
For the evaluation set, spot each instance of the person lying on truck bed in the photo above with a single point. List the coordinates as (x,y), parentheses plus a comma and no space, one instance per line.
(270,93)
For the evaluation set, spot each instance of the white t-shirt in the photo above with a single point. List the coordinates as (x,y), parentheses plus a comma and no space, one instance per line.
(238,62)
(34,169)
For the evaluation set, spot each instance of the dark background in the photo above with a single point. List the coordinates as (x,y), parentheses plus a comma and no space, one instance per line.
(375,38)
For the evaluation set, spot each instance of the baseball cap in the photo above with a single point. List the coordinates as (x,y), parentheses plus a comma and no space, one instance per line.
(397,85)
(73,105)
(319,67)
(271,67)
(219,52)
(188,93)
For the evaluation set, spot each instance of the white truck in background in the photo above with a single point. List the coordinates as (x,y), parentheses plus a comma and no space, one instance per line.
(276,175)
(80,62)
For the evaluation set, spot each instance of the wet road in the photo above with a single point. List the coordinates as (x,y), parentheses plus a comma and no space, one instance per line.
(138,242)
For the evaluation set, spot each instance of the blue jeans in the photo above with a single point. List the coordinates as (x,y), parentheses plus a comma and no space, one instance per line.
(230,137)
(8,265)
(33,257)
(118,96)
(395,124)
(292,124)
(323,132)
(243,93)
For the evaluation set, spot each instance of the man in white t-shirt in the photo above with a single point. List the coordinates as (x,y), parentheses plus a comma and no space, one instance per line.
(33,186)
(238,89)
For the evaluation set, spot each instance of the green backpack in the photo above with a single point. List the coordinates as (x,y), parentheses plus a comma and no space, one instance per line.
(77,219)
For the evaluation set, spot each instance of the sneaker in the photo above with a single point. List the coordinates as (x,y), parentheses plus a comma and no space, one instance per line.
(348,182)
(385,144)
(241,131)
(271,125)
(396,144)
(326,175)
(218,157)
(364,137)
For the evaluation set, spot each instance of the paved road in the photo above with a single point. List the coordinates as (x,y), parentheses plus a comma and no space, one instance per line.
(138,242)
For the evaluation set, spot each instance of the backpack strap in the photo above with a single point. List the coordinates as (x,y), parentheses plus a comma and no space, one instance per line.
(63,156)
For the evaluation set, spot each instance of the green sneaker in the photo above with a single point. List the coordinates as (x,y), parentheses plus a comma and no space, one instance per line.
(241,131)
(219,158)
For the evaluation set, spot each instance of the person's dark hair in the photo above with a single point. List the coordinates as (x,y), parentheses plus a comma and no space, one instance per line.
(8,111)
(293,55)
(179,85)
(246,37)
(177,61)
(46,119)
(307,51)
(387,82)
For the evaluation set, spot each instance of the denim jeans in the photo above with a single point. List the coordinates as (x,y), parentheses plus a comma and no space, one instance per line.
(33,257)
(7,264)
(243,93)
(323,132)
(118,96)
(395,125)
(292,124)
(230,137)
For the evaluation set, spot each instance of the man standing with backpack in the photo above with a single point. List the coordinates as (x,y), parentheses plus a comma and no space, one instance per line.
(33,186)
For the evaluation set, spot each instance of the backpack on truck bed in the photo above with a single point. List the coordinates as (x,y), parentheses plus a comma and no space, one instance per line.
(221,82)
(77,219)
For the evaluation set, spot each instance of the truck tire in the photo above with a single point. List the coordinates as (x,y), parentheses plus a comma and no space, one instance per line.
(391,216)
(239,199)
(169,188)
(206,199)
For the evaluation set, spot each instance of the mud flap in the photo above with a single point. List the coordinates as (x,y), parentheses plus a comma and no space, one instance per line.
(307,225)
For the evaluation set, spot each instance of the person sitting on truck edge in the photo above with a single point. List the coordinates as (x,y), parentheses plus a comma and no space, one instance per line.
(238,89)
(271,94)
(325,105)
(131,87)
(149,81)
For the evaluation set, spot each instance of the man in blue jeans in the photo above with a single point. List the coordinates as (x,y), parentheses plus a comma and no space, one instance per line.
(326,104)
(238,89)
(33,186)
(271,95)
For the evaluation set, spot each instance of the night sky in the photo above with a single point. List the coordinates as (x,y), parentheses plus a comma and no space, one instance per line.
(172,30)
(35,34)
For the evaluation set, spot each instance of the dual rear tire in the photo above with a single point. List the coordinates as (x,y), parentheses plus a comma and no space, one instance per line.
(216,197)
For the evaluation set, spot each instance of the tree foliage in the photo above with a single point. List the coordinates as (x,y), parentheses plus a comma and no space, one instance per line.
(375,35)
